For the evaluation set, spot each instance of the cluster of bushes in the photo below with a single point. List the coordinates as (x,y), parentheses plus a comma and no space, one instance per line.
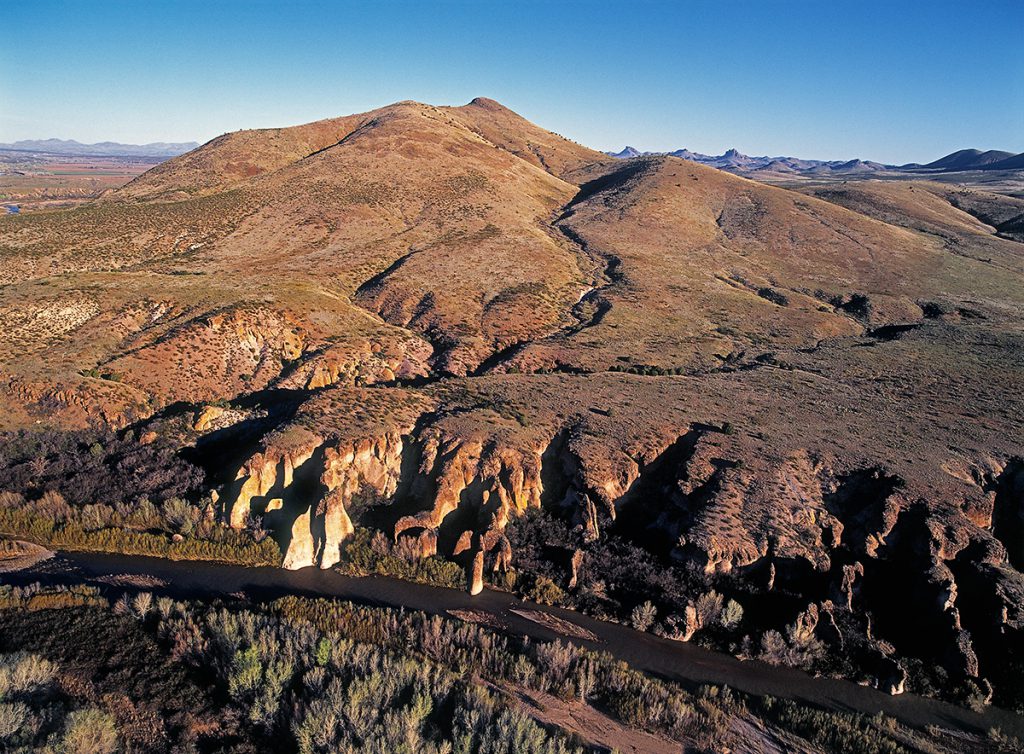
(623,582)
(615,577)
(112,665)
(367,552)
(175,529)
(318,675)
(34,597)
(537,588)
(314,689)
(557,668)
(775,296)
(833,731)
(709,610)
(100,490)
(857,305)
(35,715)
(795,648)
(357,675)
(95,464)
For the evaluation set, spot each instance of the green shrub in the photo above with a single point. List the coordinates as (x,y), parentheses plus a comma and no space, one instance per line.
(545,591)
(366,553)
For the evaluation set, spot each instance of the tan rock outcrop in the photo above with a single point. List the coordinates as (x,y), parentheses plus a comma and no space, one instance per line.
(269,471)
(300,550)
(464,543)
(270,485)
(574,567)
(362,362)
(476,573)
(206,417)
(364,466)
(491,480)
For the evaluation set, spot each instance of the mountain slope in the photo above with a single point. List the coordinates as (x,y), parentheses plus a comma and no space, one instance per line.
(703,265)
(1016,162)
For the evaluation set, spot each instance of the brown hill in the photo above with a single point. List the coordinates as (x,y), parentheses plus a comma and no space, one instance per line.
(703,265)
(639,380)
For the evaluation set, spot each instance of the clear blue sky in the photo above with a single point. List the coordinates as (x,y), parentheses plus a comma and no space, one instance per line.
(890,81)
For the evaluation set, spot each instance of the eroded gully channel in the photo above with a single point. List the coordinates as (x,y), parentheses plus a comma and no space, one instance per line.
(686,664)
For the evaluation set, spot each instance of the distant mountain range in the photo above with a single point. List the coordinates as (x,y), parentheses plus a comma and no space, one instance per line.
(103,149)
(734,161)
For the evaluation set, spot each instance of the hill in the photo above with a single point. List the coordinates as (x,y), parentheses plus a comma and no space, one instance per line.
(608,381)
(969,159)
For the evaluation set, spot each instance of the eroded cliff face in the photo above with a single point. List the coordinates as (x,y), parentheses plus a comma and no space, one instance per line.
(465,487)
(472,487)
(303,487)
(725,502)
(873,566)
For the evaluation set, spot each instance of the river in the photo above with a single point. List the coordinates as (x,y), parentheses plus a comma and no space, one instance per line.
(684,663)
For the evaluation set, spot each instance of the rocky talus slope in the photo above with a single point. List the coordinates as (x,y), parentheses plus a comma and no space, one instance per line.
(440,323)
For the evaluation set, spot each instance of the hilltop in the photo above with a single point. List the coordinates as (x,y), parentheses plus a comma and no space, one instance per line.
(610,381)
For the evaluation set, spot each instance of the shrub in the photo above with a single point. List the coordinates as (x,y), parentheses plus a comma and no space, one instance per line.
(774,649)
(142,604)
(25,674)
(179,516)
(15,719)
(643,616)
(219,543)
(732,614)
(858,305)
(365,553)
(708,608)
(89,731)
(771,294)
(545,591)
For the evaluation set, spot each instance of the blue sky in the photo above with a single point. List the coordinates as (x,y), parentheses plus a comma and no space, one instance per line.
(889,81)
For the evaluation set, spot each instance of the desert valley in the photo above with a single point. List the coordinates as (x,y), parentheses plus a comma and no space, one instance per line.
(778,419)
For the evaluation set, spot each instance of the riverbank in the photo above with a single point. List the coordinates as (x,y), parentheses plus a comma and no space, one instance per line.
(687,664)
(16,555)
